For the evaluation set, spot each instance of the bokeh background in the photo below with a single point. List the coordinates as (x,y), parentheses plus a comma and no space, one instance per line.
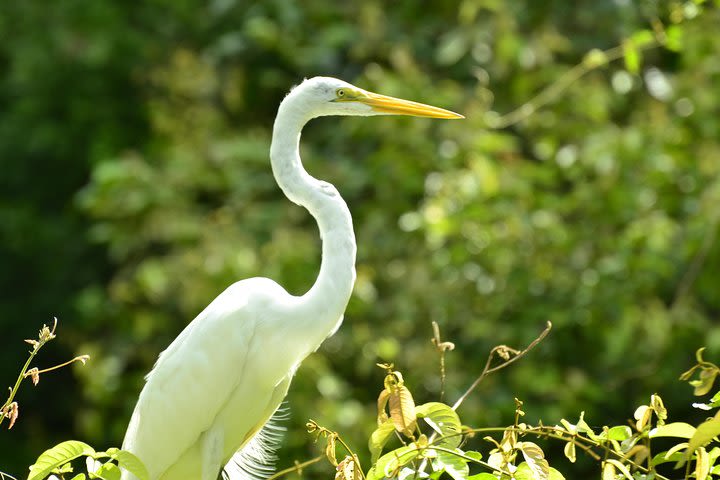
(135,186)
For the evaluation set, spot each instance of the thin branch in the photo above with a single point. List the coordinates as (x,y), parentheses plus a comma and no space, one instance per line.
(296,468)
(488,370)
(593,61)
(80,358)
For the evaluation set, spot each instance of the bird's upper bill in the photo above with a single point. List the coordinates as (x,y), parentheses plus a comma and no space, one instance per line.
(393,106)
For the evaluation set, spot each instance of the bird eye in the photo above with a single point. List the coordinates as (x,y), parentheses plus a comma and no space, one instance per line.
(340,92)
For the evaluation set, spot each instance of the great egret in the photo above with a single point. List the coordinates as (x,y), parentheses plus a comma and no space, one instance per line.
(209,399)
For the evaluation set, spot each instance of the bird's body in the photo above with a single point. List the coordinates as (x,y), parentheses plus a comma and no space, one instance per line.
(220,381)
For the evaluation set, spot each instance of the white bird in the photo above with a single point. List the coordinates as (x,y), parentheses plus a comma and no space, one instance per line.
(207,405)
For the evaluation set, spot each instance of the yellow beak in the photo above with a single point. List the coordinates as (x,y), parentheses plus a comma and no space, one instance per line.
(398,106)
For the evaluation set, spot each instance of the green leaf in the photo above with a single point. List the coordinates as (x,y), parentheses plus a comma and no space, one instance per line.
(704,433)
(619,433)
(569,451)
(79,476)
(474,455)
(676,429)
(454,465)
(444,421)
(108,471)
(702,464)
(390,463)
(632,57)
(57,456)
(131,463)
(642,38)
(482,476)
(674,42)
(705,381)
(379,438)
(524,472)
(623,469)
(672,455)
(535,459)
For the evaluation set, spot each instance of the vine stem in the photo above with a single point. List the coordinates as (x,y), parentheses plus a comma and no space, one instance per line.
(553,91)
(296,468)
(488,370)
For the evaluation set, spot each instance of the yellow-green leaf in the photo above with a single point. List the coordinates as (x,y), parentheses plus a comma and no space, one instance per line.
(454,465)
(379,438)
(608,471)
(569,451)
(390,463)
(702,464)
(443,420)
(619,433)
(535,459)
(57,456)
(131,463)
(623,469)
(704,433)
(632,57)
(675,429)
(109,471)
(524,472)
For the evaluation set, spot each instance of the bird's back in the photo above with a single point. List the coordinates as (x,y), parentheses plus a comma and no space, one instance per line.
(216,385)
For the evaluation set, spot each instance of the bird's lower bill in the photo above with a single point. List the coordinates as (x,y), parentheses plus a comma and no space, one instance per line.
(398,106)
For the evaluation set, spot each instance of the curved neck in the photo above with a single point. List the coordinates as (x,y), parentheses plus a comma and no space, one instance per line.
(325,302)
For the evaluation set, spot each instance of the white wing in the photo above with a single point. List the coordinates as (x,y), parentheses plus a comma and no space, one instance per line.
(210,388)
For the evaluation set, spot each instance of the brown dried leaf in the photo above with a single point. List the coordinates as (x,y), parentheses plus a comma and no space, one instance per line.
(34,375)
(402,410)
(347,470)
(381,404)
(12,412)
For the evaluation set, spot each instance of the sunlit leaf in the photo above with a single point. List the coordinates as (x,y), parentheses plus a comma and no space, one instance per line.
(131,463)
(79,476)
(57,456)
(379,438)
(620,466)
(535,459)
(454,465)
(632,57)
(619,433)
(391,462)
(109,471)
(569,451)
(443,419)
(642,38)
(702,464)
(675,429)
(482,476)
(402,409)
(642,414)
(524,472)
(705,381)
(704,433)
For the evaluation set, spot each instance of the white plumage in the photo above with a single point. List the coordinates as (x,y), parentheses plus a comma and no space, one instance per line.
(208,400)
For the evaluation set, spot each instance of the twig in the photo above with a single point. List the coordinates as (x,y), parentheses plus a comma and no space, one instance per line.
(296,468)
(595,60)
(441,348)
(500,350)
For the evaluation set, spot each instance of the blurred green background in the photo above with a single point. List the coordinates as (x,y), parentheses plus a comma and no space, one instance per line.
(136,186)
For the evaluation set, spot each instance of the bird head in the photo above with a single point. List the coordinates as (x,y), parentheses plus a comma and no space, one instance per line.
(330,96)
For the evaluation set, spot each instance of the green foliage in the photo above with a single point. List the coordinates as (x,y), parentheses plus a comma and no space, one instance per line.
(104,465)
(444,450)
(136,187)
